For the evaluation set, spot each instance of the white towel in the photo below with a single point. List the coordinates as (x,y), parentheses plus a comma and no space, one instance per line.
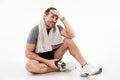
(45,41)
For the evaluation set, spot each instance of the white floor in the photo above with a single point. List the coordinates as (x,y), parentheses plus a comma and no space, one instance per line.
(17,72)
(14,70)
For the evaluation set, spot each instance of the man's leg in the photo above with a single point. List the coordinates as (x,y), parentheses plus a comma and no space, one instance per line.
(73,49)
(34,66)
(37,67)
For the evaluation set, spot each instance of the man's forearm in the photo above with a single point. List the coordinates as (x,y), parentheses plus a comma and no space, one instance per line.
(32,55)
(68,28)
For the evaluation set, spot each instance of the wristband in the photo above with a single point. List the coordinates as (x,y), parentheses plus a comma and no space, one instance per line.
(62,19)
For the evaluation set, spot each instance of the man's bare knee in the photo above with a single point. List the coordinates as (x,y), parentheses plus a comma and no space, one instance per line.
(27,66)
(31,65)
(36,67)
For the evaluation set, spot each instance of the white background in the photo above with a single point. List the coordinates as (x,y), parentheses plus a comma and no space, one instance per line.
(95,22)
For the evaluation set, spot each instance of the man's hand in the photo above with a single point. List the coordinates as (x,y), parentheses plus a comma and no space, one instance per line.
(57,13)
(68,31)
(51,63)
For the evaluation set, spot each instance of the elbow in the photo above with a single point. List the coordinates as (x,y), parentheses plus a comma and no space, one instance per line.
(72,36)
(27,54)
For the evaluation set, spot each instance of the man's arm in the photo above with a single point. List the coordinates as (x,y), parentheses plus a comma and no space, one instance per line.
(31,55)
(68,31)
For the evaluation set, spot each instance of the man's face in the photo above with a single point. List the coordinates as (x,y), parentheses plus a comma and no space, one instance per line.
(50,19)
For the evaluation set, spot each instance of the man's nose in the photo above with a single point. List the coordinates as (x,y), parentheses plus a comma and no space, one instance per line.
(55,20)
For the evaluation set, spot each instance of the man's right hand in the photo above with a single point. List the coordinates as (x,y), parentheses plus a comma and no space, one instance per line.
(56,12)
(51,63)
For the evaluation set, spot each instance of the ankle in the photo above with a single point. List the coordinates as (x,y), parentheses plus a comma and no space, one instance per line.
(84,64)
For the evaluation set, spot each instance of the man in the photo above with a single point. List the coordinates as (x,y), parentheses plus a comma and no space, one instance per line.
(45,46)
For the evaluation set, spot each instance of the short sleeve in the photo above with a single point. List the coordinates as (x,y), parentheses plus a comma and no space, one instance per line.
(32,37)
(60,27)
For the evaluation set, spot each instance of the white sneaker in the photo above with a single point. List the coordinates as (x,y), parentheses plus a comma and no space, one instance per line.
(90,70)
(65,66)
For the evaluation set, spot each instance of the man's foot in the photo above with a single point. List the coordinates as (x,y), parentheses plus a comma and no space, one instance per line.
(88,70)
(65,66)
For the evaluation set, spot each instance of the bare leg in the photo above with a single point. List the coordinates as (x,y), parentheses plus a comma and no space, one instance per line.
(34,66)
(73,49)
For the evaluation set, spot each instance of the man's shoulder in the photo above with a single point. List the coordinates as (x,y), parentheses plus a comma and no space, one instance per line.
(34,31)
(35,27)
(60,27)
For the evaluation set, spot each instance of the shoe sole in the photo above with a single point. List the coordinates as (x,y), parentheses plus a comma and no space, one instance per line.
(84,75)
(96,73)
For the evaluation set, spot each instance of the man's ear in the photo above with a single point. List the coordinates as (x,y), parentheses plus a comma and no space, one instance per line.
(44,15)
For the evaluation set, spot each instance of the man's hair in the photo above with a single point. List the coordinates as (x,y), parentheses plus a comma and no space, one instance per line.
(48,10)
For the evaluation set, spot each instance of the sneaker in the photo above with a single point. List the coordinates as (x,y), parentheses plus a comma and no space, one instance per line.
(65,66)
(90,70)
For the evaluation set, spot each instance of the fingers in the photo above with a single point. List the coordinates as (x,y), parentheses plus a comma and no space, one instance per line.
(51,64)
(57,13)
(56,59)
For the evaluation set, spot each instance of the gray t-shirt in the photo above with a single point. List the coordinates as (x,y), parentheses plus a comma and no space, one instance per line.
(33,35)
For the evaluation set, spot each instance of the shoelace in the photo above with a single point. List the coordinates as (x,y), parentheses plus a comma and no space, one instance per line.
(65,66)
(60,65)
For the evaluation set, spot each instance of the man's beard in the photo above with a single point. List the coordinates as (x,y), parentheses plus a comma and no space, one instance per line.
(51,25)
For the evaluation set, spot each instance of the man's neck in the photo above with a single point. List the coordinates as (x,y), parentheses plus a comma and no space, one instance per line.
(48,28)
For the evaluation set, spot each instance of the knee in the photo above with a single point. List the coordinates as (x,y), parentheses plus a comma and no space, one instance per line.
(30,65)
(27,66)
(68,41)
(35,67)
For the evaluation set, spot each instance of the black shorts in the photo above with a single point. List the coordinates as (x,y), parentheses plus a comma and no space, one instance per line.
(48,55)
